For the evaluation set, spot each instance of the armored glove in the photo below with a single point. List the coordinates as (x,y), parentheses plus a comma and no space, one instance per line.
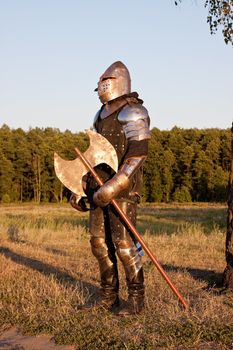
(119,182)
(78,202)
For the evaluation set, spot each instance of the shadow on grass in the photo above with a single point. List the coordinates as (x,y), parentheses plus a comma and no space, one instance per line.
(213,278)
(63,277)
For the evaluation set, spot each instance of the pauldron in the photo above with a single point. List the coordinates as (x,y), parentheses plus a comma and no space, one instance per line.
(135,121)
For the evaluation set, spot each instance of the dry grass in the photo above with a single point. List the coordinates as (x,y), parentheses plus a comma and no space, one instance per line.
(47,270)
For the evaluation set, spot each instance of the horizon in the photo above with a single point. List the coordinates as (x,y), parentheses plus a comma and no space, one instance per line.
(83,131)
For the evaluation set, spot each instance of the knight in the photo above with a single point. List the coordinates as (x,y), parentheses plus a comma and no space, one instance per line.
(124,122)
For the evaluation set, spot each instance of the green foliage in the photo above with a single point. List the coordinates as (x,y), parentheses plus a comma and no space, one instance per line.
(187,165)
(26,162)
(182,195)
(6,198)
(182,164)
(220,15)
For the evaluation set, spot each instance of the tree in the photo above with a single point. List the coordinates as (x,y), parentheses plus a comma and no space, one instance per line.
(220,15)
(182,195)
(21,163)
(181,165)
(6,176)
(6,161)
(152,185)
(168,162)
(228,272)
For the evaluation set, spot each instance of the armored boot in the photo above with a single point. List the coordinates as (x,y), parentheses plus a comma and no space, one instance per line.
(131,260)
(108,298)
(132,264)
(135,302)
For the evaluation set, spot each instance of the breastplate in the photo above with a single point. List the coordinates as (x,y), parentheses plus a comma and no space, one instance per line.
(112,130)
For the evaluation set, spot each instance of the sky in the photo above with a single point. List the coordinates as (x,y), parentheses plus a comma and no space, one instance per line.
(52,53)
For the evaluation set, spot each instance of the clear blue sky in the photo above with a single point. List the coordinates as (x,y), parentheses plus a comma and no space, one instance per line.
(52,53)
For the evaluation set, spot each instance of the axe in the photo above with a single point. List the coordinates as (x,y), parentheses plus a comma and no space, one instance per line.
(101,151)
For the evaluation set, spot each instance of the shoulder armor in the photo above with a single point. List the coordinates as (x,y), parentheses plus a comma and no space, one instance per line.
(135,121)
(132,113)
(95,118)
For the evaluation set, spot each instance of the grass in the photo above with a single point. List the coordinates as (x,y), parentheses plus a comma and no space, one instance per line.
(47,271)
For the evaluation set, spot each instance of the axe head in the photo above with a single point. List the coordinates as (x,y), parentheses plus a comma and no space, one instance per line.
(71,172)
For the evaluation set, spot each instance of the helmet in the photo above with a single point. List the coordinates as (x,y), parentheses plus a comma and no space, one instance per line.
(114,82)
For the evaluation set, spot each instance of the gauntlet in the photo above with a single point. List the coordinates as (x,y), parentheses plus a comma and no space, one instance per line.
(78,202)
(119,182)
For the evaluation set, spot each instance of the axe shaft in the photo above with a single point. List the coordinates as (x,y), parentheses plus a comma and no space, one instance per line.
(134,231)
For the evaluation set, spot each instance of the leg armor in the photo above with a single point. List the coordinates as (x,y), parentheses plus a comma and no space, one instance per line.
(127,252)
(104,251)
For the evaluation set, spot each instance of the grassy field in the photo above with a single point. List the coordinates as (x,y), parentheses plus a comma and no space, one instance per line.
(47,271)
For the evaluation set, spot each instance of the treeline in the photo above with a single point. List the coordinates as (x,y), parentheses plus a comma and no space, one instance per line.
(183,164)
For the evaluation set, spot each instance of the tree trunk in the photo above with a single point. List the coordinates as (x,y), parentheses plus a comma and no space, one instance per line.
(228,273)
(36,166)
(21,189)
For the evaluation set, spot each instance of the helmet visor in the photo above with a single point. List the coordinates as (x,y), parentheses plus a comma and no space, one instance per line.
(106,89)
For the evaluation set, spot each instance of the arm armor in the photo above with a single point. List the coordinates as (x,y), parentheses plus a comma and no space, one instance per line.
(135,121)
(119,182)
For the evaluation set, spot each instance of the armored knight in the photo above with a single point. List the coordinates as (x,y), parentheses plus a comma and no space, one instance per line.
(124,122)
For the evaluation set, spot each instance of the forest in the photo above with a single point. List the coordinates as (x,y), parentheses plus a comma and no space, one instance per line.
(183,165)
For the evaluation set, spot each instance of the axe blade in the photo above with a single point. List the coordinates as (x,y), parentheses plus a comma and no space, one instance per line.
(71,172)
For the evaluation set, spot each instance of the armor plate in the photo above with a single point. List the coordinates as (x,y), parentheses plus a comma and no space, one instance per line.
(135,121)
